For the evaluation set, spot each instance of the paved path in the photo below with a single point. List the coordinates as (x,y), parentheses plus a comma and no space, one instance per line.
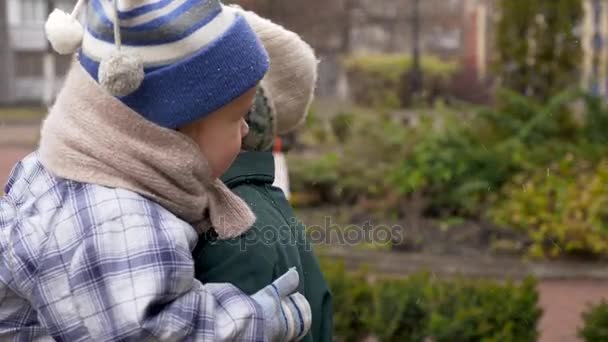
(16,141)
(562,300)
(19,134)
(8,157)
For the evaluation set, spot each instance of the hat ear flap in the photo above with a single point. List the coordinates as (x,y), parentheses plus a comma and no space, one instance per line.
(262,123)
(291,79)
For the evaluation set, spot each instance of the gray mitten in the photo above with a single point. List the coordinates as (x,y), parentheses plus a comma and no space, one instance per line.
(287,313)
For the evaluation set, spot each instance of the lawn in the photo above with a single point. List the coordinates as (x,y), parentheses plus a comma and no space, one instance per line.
(21,113)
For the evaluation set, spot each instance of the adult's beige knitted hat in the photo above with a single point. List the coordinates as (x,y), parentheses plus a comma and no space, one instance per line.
(291,79)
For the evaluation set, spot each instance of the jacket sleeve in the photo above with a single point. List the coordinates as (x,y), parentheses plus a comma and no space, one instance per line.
(133,280)
(246,261)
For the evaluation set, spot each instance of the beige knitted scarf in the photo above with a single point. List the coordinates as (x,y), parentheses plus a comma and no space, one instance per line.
(91,137)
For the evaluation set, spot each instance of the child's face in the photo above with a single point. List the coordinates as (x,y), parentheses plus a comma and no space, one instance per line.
(219,135)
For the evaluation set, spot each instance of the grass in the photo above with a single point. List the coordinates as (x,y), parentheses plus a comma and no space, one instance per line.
(22,113)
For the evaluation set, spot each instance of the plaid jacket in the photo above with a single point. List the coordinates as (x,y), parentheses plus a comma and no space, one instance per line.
(81,262)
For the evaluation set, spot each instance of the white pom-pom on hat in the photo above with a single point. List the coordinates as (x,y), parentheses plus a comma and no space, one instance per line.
(121,73)
(64,32)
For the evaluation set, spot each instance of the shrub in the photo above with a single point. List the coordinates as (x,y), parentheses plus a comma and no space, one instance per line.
(372,146)
(595,320)
(420,307)
(341,124)
(564,208)
(595,121)
(473,310)
(352,297)
(452,169)
(458,161)
(399,309)
(376,146)
(461,165)
(537,49)
(315,174)
(474,166)
(375,80)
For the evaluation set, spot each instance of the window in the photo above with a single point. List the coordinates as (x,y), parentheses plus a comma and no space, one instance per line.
(28,64)
(32,11)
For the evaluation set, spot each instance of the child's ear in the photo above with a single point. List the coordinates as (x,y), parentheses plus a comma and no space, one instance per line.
(191,130)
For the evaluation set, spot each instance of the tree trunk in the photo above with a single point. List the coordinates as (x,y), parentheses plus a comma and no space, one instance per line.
(349,6)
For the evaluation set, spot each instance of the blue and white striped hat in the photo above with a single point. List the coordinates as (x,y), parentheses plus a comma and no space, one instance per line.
(172,61)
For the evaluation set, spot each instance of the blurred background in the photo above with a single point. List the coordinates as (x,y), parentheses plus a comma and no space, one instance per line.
(452,173)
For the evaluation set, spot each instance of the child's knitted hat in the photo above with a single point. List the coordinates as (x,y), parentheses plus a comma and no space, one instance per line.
(172,61)
(285,94)
(290,82)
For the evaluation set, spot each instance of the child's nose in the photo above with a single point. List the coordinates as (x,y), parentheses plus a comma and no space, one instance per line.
(244,129)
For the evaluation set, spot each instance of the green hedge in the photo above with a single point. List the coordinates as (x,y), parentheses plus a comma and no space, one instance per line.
(536,167)
(375,80)
(564,207)
(421,307)
(595,327)
(462,164)
(358,149)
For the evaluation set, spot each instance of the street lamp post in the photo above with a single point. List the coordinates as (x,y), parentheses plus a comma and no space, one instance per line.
(416,72)
(411,81)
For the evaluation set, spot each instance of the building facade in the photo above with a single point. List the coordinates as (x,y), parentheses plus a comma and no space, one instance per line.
(25,62)
(453,29)
(594,33)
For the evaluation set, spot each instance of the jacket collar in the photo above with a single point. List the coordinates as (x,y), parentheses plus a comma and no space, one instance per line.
(250,167)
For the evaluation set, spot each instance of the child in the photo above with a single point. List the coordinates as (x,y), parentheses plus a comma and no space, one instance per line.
(97,226)
(277,240)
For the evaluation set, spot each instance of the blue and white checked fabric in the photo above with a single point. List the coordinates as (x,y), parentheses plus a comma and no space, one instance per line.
(81,262)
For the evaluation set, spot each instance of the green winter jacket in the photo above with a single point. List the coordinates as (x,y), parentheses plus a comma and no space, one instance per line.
(275,243)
